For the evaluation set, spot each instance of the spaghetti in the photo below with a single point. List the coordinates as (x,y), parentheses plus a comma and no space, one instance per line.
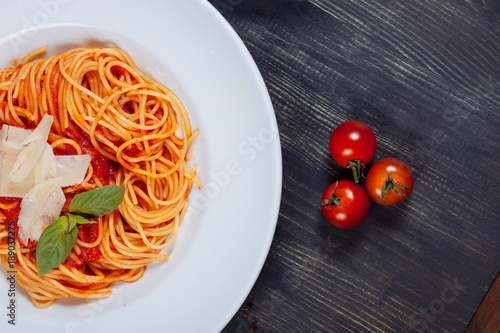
(137,133)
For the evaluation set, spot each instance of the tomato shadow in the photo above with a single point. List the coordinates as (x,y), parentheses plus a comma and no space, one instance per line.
(337,243)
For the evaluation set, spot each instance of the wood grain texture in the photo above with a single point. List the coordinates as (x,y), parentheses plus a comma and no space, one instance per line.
(487,316)
(425,75)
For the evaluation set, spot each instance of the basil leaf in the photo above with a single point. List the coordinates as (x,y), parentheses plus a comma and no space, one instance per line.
(55,244)
(77,219)
(97,202)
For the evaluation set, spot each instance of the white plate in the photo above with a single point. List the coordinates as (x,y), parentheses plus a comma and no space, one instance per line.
(223,243)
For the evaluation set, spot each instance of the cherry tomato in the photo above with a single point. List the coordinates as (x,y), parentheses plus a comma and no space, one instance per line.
(345,204)
(353,145)
(389,181)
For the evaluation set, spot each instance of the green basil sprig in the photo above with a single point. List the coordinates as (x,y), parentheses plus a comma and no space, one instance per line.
(57,240)
(97,202)
(55,244)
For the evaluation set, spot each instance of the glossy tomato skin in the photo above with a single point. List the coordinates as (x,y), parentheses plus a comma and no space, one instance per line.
(354,204)
(352,141)
(378,175)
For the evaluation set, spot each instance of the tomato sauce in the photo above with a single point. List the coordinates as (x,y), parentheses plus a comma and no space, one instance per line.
(64,150)
(117,71)
(104,169)
(11,214)
(71,263)
(54,90)
(87,233)
(142,185)
(134,151)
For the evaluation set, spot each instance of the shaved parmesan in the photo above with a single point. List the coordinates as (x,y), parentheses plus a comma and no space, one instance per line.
(33,147)
(3,135)
(40,207)
(14,134)
(8,188)
(46,166)
(41,132)
(72,168)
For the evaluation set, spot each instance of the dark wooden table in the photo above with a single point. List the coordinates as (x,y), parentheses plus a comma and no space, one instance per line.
(425,75)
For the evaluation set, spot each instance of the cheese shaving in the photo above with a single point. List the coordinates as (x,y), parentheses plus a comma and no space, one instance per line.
(39,208)
(33,147)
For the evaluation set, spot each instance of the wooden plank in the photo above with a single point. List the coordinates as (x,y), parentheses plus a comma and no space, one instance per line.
(487,316)
(425,75)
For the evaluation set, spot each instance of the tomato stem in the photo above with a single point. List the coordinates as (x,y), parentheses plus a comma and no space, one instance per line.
(357,168)
(334,199)
(391,185)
